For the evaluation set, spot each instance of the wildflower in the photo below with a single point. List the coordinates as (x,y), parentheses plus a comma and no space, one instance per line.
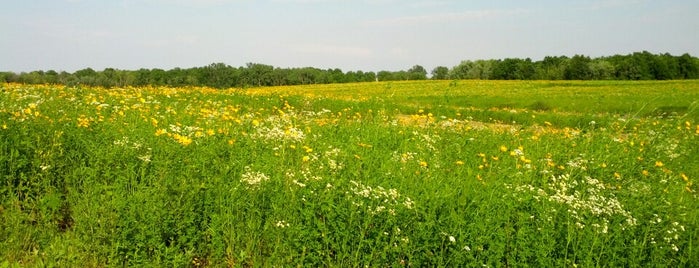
(4,126)
(503,148)
(253,178)
(459,162)
(306,158)
(423,164)
(160,132)
(83,122)
(255,122)
(645,172)
(282,224)
(184,140)
(145,158)
(684,177)
(659,164)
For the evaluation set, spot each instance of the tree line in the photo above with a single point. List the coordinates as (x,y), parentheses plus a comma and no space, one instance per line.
(636,66)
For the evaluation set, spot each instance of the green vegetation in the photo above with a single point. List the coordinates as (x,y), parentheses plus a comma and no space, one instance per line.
(636,66)
(459,173)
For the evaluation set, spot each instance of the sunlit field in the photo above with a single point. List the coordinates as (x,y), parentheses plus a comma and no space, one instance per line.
(389,174)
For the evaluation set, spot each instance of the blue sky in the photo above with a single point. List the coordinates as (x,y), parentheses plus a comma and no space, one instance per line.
(368,35)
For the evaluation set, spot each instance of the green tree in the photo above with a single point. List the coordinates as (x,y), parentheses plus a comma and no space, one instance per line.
(578,68)
(460,71)
(440,73)
(417,72)
(688,67)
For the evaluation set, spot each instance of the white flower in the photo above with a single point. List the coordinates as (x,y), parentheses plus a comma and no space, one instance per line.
(253,178)
(145,158)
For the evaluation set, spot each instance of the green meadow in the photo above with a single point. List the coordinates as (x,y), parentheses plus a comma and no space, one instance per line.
(463,173)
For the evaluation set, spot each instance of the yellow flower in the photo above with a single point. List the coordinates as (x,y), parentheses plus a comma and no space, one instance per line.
(4,126)
(306,158)
(184,140)
(659,164)
(255,122)
(83,122)
(503,148)
(160,132)
(645,172)
(423,164)
(459,162)
(231,141)
(684,177)
(603,165)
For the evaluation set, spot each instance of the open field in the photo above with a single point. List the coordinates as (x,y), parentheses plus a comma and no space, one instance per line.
(429,173)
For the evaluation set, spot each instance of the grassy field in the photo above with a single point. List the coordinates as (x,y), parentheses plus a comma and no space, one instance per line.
(429,173)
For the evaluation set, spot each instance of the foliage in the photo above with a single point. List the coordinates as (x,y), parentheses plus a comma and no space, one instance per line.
(636,66)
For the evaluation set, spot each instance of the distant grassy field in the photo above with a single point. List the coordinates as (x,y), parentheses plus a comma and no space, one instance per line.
(428,173)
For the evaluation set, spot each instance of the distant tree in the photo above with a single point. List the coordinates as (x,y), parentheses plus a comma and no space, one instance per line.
(551,68)
(256,74)
(460,71)
(481,69)
(525,69)
(506,69)
(601,70)
(384,76)
(8,77)
(367,76)
(217,75)
(417,72)
(688,67)
(578,68)
(87,72)
(440,73)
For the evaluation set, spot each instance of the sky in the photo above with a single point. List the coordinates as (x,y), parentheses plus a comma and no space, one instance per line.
(367,35)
